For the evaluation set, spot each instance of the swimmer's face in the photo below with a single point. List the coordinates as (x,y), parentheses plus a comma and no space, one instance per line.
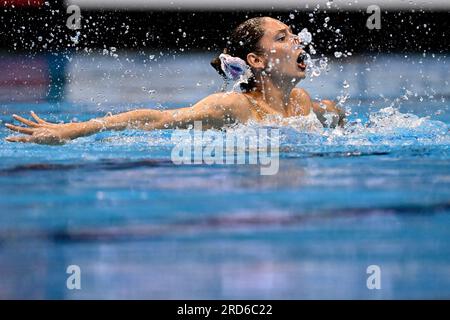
(283,56)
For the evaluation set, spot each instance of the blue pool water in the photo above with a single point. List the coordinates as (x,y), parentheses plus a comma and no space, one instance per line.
(374,193)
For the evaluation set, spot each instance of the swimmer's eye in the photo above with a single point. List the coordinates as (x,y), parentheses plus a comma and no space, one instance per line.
(281,38)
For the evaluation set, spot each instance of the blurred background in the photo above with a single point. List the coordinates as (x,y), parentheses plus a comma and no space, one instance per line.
(41,54)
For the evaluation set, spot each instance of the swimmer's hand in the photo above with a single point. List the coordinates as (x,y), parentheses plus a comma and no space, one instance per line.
(43,132)
(337,116)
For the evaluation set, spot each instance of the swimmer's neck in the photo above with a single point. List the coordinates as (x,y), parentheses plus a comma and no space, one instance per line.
(275,93)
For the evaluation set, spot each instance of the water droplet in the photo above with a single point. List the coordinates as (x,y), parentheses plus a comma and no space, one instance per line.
(346,85)
(305,36)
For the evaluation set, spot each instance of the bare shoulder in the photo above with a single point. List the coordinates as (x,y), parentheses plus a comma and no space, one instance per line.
(219,107)
(231,102)
(300,95)
(229,99)
(301,103)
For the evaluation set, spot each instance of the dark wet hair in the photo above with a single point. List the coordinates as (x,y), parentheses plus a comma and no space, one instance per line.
(243,40)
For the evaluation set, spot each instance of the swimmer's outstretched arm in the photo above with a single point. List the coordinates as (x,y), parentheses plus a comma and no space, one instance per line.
(214,111)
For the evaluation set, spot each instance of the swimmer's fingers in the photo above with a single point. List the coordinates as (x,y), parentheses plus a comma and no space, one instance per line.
(23,139)
(25,121)
(19,129)
(39,120)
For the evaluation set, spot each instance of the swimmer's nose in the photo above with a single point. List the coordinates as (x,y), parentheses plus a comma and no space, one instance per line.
(296,40)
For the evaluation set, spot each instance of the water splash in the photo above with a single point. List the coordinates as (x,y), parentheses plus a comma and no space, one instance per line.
(315,66)
(75,39)
(384,131)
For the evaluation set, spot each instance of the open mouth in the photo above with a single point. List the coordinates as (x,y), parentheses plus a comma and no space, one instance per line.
(301,61)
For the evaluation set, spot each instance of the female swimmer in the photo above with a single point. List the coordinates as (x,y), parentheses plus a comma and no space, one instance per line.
(262,52)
